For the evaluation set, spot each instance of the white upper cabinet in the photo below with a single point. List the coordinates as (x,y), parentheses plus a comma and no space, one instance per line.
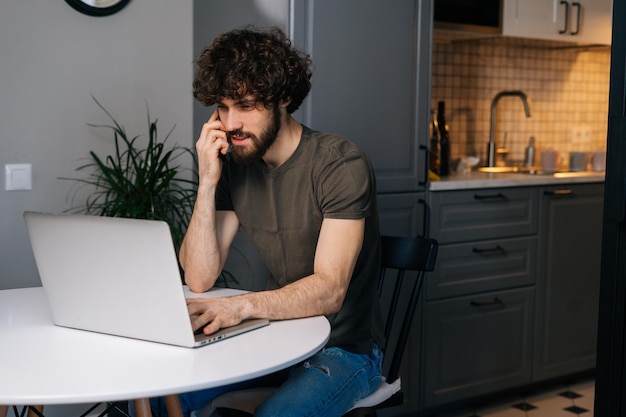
(582,21)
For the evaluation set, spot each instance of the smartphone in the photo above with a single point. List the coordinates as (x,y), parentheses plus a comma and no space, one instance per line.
(227,155)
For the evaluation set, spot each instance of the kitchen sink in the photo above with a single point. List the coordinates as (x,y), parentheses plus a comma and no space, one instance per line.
(569,174)
(532,171)
(498,169)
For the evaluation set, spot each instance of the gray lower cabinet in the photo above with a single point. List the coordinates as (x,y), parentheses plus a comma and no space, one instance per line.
(480,300)
(569,279)
(514,297)
(477,344)
(473,215)
(402,214)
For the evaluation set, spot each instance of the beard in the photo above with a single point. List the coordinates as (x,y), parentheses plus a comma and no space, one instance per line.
(246,155)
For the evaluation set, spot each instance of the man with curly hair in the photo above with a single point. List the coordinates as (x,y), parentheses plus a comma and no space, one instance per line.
(306,199)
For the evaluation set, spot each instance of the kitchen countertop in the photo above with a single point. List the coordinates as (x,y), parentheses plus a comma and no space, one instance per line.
(476,179)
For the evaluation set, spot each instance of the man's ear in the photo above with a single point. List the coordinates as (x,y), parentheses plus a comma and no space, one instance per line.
(284,103)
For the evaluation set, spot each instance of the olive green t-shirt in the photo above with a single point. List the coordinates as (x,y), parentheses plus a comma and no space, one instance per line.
(282,210)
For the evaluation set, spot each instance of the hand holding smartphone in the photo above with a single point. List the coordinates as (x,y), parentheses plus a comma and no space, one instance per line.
(223,156)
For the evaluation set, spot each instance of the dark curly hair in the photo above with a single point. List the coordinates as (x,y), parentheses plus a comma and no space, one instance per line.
(246,61)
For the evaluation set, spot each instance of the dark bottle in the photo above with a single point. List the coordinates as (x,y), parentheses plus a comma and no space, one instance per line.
(444,140)
(434,145)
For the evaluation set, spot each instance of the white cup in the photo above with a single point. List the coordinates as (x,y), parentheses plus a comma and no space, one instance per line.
(577,161)
(549,160)
(598,161)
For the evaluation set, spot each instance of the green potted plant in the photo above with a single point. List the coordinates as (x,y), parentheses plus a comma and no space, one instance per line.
(139,180)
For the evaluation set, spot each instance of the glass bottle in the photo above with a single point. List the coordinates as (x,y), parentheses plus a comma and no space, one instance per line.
(444,140)
(434,144)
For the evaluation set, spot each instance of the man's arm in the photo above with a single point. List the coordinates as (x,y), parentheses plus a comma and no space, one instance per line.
(210,232)
(323,292)
(206,245)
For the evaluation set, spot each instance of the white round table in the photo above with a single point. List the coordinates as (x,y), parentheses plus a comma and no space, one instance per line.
(41,363)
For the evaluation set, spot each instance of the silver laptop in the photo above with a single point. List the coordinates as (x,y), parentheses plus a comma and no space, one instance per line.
(116,276)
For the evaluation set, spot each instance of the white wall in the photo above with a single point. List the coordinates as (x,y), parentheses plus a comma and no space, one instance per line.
(52,59)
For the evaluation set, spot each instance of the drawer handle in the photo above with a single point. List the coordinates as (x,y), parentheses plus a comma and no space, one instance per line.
(495,302)
(577,5)
(498,196)
(498,249)
(560,193)
(566,4)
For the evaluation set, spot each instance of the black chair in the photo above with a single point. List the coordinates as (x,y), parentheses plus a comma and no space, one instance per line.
(400,254)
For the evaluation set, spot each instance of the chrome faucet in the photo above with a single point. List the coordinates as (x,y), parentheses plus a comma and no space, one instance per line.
(491,150)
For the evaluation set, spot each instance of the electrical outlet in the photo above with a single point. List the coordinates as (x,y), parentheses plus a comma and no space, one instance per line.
(581,134)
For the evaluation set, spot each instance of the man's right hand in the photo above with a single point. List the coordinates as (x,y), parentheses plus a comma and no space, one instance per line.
(211,143)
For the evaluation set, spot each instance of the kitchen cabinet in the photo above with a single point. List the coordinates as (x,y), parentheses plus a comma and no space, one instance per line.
(371,81)
(478,315)
(513,299)
(462,216)
(583,21)
(569,279)
(477,344)
(402,214)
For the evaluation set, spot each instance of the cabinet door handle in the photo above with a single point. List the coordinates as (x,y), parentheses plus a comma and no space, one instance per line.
(566,21)
(498,249)
(495,302)
(578,10)
(559,193)
(426,223)
(425,152)
(498,196)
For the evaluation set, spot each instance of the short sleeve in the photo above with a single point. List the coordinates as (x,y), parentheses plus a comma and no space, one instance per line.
(346,186)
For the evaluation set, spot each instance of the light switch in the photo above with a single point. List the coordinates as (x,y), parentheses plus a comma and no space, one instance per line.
(18,177)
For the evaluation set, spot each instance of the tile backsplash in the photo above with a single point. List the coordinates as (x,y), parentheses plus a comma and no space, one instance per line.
(567,87)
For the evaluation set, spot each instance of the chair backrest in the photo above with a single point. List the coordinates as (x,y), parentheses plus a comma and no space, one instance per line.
(403,254)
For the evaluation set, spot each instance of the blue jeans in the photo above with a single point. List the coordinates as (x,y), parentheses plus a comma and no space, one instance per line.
(327,384)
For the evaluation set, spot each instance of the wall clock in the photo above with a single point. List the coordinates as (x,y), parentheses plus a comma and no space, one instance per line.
(98,7)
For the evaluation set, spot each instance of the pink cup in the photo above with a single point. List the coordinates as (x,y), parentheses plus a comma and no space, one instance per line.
(598,161)
(549,160)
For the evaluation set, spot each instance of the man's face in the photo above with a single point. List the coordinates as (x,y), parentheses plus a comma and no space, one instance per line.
(251,129)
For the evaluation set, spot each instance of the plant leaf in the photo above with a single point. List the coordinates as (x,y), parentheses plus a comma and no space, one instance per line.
(138,181)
